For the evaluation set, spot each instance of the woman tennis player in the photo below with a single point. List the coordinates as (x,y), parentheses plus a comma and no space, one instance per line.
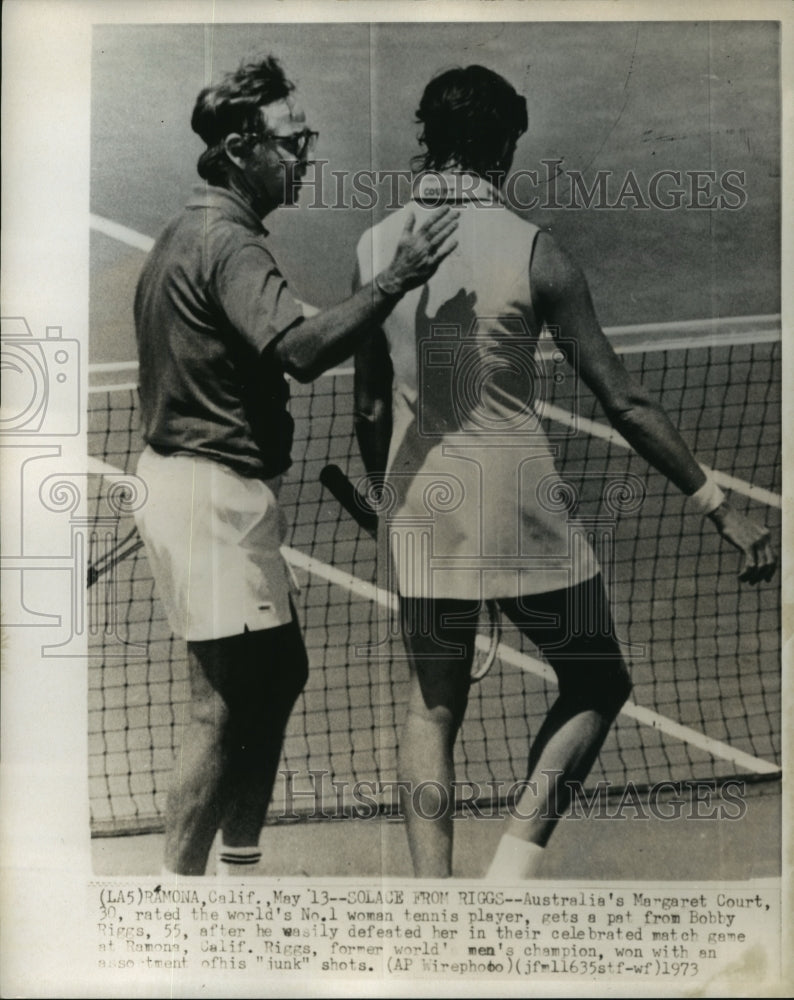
(445,423)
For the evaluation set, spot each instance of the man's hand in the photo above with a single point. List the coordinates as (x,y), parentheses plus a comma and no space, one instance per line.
(753,541)
(419,253)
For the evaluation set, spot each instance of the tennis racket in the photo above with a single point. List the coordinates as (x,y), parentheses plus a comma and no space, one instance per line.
(486,645)
(126,547)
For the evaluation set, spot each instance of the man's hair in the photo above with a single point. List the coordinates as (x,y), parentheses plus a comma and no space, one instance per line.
(233,106)
(468,117)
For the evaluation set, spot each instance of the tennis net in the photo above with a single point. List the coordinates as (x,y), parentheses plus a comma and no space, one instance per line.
(704,649)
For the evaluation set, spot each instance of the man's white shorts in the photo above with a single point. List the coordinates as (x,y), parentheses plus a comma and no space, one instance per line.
(212,538)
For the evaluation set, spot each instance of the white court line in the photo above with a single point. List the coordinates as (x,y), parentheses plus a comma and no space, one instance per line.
(530,665)
(548,412)
(121,233)
(611,436)
(114,387)
(627,339)
(113,366)
(100,468)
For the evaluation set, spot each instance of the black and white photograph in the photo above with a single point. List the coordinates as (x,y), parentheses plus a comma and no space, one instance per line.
(394,568)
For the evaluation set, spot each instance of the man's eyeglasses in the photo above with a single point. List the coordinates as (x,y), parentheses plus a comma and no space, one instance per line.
(299,144)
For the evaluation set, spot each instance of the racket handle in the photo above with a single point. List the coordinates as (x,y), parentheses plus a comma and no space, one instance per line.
(483,663)
(357,506)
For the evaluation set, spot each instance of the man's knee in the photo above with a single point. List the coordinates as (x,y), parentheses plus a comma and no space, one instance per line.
(209,709)
(239,681)
(277,662)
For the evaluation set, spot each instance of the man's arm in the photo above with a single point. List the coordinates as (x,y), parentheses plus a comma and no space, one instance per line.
(309,348)
(563,302)
(372,390)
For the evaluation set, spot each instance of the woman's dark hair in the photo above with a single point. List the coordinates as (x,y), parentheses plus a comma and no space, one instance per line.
(470,117)
(233,106)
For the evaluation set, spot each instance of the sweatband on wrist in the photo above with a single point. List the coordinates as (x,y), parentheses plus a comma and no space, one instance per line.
(383,290)
(707,499)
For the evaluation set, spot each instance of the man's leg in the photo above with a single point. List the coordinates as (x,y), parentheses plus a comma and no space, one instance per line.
(242,689)
(440,680)
(593,685)
(264,712)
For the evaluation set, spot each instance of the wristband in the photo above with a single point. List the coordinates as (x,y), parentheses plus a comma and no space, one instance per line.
(707,499)
(385,291)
